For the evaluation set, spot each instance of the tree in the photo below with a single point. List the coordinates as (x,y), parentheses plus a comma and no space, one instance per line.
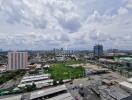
(30,88)
(60,81)
(34,86)
(54,82)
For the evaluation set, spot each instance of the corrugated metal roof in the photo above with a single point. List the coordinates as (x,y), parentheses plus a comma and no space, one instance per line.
(47,91)
(18,97)
(66,96)
(126,84)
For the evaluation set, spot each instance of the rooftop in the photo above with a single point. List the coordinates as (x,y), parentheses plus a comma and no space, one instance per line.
(126,84)
(66,96)
(17,97)
(48,91)
(127,98)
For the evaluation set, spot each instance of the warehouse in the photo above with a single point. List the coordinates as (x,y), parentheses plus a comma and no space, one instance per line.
(66,96)
(126,86)
(38,80)
(129,80)
(17,97)
(54,92)
(36,76)
(39,84)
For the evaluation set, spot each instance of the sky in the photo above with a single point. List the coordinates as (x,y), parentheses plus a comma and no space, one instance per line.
(71,24)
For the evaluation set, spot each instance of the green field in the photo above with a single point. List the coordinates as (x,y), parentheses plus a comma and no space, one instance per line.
(60,71)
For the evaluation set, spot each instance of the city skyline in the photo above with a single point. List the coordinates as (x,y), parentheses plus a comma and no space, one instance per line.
(71,24)
(65,49)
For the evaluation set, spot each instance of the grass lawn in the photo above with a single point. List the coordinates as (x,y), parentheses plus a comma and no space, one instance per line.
(60,71)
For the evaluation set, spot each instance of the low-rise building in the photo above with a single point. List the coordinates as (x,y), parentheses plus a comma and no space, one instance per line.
(17,97)
(54,93)
(38,80)
(127,98)
(60,58)
(46,66)
(126,86)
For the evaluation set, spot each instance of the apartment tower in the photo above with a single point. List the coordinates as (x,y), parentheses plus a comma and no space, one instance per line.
(17,60)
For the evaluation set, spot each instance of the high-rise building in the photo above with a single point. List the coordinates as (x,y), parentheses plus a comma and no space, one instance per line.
(17,60)
(98,51)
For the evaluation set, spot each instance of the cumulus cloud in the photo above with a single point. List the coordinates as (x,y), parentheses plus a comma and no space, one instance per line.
(46,24)
(129,4)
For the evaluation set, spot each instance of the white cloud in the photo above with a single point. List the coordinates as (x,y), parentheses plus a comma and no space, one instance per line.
(122,11)
(54,23)
(129,4)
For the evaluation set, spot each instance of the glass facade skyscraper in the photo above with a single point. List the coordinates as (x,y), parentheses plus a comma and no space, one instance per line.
(98,51)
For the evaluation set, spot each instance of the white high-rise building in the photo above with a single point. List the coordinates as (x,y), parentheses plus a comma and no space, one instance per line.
(17,60)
